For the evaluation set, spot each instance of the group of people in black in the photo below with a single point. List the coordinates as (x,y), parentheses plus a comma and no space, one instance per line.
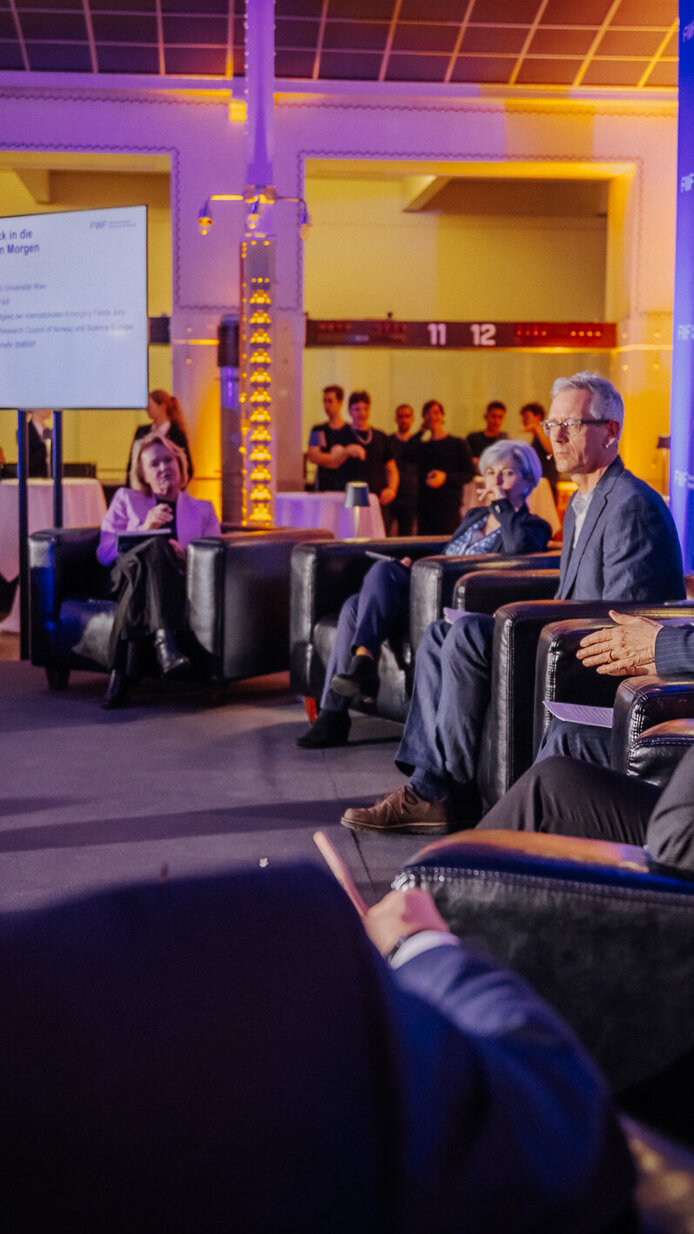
(418,474)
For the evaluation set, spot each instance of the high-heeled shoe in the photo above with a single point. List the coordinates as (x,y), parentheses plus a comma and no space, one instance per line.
(117,691)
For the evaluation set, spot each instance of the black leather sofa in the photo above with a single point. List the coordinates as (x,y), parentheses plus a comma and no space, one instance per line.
(325,575)
(238,603)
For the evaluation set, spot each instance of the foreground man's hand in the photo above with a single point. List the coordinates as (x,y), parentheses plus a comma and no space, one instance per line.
(624,650)
(399,914)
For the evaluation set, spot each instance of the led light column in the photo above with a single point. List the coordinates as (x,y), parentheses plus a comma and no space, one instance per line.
(257,268)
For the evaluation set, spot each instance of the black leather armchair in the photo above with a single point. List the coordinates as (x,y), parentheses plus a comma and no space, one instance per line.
(325,575)
(510,743)
(238,603)
(606,938)
(643,742)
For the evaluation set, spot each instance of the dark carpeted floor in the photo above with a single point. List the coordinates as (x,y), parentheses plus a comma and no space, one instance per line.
(172,786)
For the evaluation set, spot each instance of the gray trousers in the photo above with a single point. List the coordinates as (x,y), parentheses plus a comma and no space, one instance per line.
(452,685)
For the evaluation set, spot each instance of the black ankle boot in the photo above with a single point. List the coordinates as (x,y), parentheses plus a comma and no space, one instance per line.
(330,729)
(170,658)
(117,691)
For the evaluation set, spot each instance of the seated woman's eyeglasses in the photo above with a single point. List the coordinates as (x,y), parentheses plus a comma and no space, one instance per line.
(571,426)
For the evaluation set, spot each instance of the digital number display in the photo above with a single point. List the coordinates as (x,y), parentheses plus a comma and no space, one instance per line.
(462,335)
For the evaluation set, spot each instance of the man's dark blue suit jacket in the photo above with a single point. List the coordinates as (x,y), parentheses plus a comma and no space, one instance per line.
(628,547)
(231,1054)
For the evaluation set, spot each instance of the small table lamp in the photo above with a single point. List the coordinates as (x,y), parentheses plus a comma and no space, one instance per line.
(356,497)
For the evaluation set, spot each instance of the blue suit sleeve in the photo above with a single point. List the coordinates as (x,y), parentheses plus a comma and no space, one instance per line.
(494,1077)
(674,650)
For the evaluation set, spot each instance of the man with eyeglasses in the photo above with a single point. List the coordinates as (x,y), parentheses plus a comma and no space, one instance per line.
(619,544)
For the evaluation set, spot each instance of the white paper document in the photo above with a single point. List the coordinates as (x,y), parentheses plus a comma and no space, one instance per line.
(453,614)
(581,713)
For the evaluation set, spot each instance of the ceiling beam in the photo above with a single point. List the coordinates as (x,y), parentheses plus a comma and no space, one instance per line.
(419,190)
(37,182)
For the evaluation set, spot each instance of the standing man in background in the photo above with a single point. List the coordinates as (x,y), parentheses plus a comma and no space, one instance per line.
(494,416)
(332,444)
(375,464)
(400,517)
(532,416)
(40,444)
(445,467)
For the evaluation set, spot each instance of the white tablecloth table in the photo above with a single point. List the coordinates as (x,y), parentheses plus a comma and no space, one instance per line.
(328,510)
(84,505)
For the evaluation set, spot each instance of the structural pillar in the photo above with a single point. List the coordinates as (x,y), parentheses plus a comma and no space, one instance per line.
(682,403)
(257,324)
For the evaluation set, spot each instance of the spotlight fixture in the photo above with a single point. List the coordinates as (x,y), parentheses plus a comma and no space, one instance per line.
(205,219)
(255,198)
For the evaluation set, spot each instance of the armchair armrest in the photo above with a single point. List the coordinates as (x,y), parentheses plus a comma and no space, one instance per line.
(559,676)
(517,627)
(62,563)
(641,704)
(238,600)
(436,581)
(655,754)
(323,575)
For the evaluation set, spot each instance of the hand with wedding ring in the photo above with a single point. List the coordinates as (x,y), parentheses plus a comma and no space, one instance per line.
(626,649)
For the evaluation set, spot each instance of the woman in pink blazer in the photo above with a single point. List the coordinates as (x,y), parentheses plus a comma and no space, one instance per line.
(148,578)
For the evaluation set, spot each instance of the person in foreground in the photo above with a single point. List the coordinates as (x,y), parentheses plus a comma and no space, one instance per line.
(619,543)
(198,1055)
(148,580)
(500,524)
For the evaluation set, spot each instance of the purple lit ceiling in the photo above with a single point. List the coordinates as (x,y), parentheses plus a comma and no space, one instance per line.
(571,43)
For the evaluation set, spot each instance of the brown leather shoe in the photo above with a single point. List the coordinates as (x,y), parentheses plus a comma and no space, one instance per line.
(401,811)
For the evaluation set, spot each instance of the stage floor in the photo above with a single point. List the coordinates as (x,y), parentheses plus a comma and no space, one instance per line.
(171,787)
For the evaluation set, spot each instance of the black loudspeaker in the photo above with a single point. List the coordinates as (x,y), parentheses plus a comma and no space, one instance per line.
(160,330)
(228,343)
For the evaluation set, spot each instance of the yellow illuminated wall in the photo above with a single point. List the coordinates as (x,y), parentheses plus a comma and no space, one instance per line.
(444,266)
(602,262)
